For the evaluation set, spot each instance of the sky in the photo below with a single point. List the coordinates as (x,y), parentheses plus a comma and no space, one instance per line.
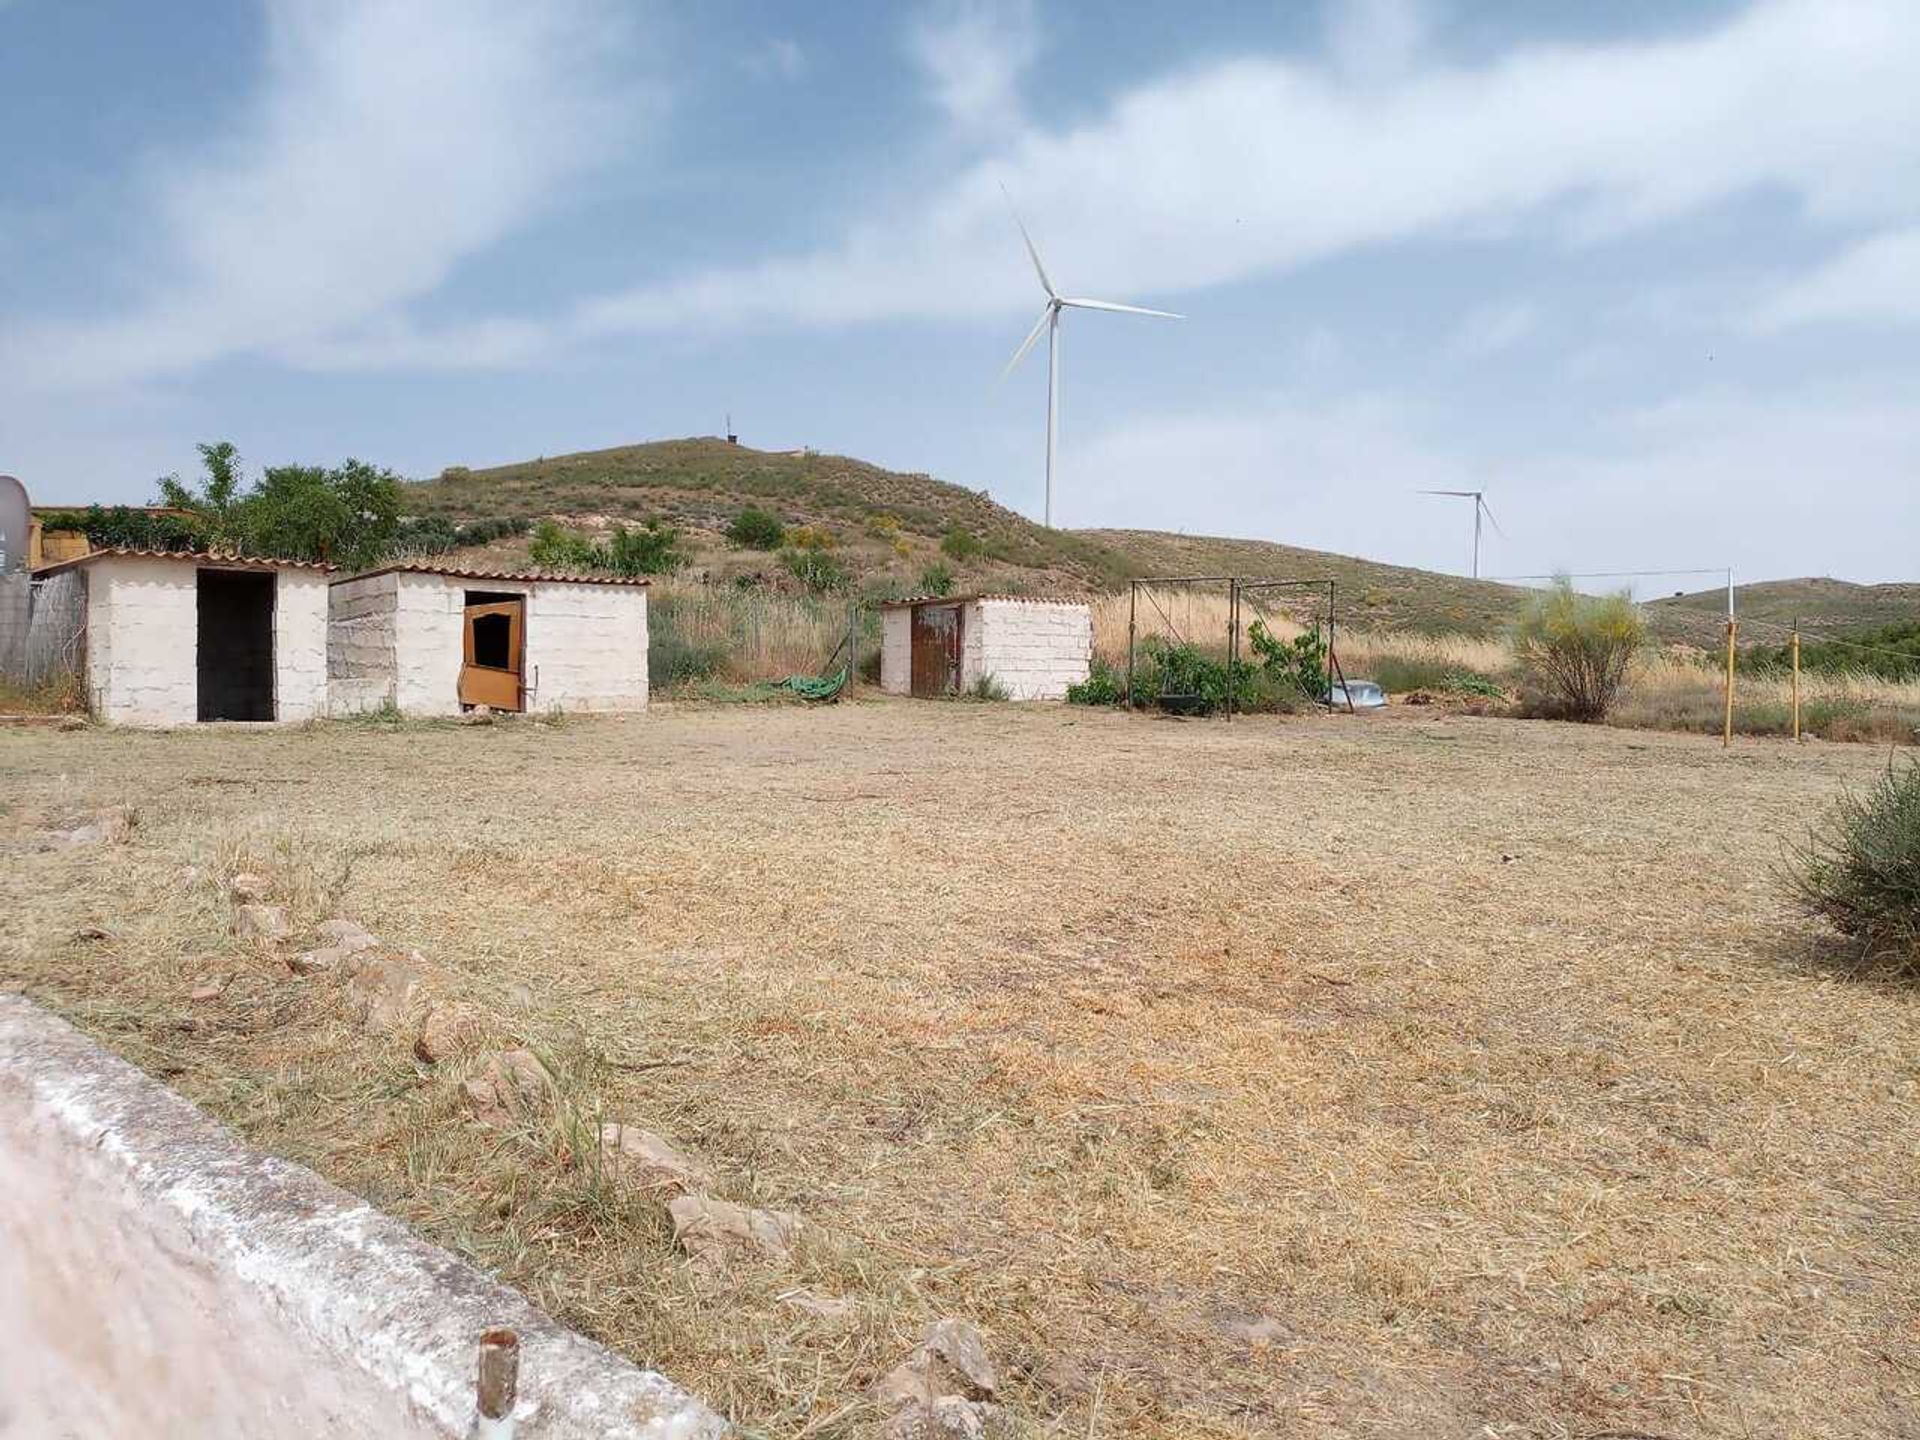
(1647,273)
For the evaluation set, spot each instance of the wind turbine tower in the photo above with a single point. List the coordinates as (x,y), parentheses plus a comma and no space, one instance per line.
(1480,508)
(1049,321)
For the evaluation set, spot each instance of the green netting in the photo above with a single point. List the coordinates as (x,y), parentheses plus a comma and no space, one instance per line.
(816,687)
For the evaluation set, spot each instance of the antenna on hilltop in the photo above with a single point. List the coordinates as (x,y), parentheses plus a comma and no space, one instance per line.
(1480,507)
(732,439)
(1050,322)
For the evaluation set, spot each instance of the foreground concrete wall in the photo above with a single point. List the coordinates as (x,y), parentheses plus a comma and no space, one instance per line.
(300,646)
(360,628)
(142,641)
(896,651)
(159,1279)
(587,647)
(1035,648)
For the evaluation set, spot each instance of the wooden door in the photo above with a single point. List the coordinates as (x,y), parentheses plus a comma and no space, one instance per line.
(936,650)
(493,659)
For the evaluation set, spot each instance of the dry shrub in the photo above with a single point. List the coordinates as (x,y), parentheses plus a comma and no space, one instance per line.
(1577,647)
(704,632)
(1860,869)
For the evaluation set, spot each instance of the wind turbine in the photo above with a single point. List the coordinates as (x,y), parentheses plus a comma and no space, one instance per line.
(1480,507)
(1049,321)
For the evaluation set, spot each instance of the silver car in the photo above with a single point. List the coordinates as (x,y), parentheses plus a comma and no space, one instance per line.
(1357,694)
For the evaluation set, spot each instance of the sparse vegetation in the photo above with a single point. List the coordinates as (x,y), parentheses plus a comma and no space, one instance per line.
(347,514)
(815,569)
(960,544)
(1577,648)
(649,549)
(936,579)
(987,687)
(756,529)
(1860,868)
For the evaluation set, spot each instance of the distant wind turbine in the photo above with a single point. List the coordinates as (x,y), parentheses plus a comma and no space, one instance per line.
(1480,507)
(1049,321)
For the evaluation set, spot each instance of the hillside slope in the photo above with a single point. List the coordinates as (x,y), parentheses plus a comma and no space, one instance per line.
(1768,608)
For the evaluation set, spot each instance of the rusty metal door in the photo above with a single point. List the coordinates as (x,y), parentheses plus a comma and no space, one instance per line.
(936,651)
(493,663)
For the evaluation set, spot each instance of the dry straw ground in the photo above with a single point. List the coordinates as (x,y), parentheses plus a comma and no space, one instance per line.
(1354,1077)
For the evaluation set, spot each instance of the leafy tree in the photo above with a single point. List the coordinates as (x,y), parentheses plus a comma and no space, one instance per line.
(653,549)
(218,499)
(346,515)
(756,529)
(1577,647)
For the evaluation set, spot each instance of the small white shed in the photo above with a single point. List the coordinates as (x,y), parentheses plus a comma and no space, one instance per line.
(434,640)
(944,645)
(174,637)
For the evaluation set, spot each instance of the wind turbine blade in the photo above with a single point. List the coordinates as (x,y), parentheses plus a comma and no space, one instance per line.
(1032,253)
(1487,510)
(1465,494)
(1033,337)
(1122,309)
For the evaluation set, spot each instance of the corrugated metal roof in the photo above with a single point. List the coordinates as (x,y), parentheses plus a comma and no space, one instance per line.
(525,577)
(985,595)
(225,559)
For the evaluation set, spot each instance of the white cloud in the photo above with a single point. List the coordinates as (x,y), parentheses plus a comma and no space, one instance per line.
(974,53)
(1718,477)
(1493,328)
(1876,281)
(1255,165)
(385,144)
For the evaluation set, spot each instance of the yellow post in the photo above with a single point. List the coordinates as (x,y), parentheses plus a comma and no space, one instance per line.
(1796,680)
(1726,736)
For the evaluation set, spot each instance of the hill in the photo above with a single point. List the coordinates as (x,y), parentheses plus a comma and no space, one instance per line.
(1770,607)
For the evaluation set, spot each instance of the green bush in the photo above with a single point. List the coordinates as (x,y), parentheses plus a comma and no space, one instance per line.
(556,549)
(1103,686)
(815,569)
(653,549)
(1298,664)
(1576,648)
(960,544)
(1860,869)
(107,526)
(756,529)
(936,579)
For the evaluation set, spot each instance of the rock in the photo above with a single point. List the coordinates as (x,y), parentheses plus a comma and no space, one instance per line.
(347,936)
(107,827)
(207,992)
(93,933)
(384,991)
(1257,1331)
(315,962)
(948,1418)
(71,722)
(478,715)
(643,1160)
(247,887)
(950,1360)
(455,1028)
(261,922)
(714,1230)
(511,1083)
(822,1307)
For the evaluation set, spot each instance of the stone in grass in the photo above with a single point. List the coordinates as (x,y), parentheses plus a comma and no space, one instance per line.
(247,887)
(716,1230)
(385,991)
(315,962)
(950,1360)
(107,827)
(267,923)
(950,1418)
(478,715)
(347,936)
(451,1029)
(642,1160)
(509,1084)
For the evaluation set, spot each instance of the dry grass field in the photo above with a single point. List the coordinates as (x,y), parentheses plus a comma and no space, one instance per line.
(1391,1076)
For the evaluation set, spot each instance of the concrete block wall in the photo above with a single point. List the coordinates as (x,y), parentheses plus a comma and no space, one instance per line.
(1036,649)
(299,646)
(159,1278)
(142,641)
(896,651)
(16,620)
(360,637)
(587,647)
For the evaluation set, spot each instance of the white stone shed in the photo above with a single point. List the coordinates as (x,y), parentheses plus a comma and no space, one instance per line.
(944,645)
(434,640)
(167,637)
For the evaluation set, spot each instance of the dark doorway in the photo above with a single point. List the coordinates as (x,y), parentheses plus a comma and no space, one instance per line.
(236,644)
(935,638)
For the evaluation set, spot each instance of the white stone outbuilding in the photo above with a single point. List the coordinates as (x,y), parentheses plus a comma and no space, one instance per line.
(434,640)
(165,637)
(945,645)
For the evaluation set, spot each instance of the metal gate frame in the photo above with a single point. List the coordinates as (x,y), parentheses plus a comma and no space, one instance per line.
(1133,614)
(1240,587)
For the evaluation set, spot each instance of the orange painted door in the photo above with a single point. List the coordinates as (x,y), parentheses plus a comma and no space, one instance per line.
(493,659)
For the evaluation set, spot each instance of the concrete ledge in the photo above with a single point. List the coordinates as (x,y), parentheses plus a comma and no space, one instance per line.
(158,1277)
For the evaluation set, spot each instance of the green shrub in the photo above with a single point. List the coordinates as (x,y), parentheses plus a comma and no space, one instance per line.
(960,544)
(1298,664)
(556,549)
(1103,686)
(936,579)
(1576,648)
(1184,680)
(106,526)
(815,569)
(1860,869)
(756,529)
(485,532)
(653,549)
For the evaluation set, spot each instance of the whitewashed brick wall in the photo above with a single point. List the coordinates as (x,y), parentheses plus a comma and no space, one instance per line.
(1035,648)
(360,625)
(299,645)
(896,651)
(587,647)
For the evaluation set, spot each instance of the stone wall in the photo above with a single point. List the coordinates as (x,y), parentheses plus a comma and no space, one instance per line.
(1034,648)
(159,1278)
